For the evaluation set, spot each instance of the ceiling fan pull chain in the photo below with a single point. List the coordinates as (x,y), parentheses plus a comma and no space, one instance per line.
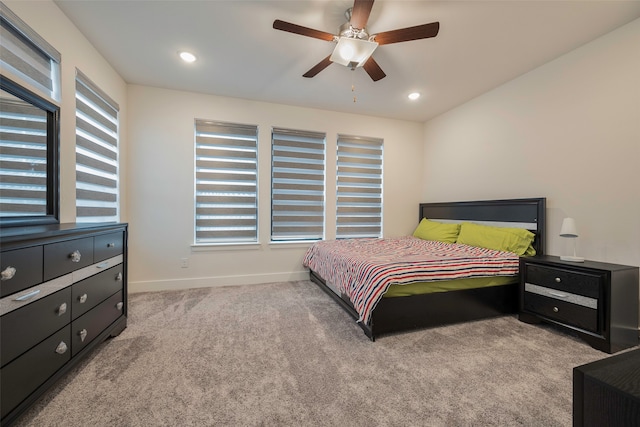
(353,88)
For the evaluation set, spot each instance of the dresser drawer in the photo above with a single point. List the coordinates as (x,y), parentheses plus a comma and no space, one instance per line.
(562,311)
(86,328)
(579,283)
(65,257)
(108,246)
(20,377)
(20,269)
(25,327)
(95,289)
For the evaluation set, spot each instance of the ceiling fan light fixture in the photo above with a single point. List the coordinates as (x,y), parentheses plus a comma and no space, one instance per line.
(187,56)
(346,51)
(350,50)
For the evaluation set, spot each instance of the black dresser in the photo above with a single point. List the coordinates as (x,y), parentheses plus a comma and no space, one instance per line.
(63,291)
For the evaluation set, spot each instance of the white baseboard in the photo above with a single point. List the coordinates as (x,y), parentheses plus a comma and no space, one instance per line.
(208,282)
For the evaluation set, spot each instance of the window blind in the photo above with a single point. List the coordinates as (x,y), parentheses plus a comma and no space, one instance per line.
(226,185)
(96,153)
(23,158)
(26,55)
(297,185)
(359,187)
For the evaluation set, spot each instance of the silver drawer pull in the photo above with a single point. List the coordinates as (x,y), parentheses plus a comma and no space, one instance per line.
(558,280)
(119,305)
(111,245)
(103,264)
(119,277)
(28,296)
(75,256)
(558,294)
(62,309)
(555,309)
(82,298)
(61,348)
(8,273)
(83,335)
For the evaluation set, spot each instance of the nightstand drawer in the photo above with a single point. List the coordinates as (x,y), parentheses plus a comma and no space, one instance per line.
(562,296)
(555,309)
(579,283)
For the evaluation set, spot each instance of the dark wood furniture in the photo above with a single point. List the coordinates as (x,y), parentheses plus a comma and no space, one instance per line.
(63,292)
(436,309)
(607,392)
(597,301)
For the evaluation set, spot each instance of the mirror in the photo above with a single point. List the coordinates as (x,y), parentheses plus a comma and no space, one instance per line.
(29,143)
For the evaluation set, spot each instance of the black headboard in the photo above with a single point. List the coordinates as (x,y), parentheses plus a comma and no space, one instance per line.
(520,213)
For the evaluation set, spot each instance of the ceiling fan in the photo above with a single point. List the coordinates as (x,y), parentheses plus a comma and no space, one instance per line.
(354,44)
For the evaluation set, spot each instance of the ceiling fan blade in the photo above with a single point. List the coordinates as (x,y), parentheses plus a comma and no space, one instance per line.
(360,13)
(318,67)
(303,31)
(373,69)
(407,34)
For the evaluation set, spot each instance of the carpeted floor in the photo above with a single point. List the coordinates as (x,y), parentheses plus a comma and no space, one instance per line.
(285,354)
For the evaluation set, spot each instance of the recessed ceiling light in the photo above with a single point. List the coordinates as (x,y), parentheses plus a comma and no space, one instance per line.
(187,56)
(413,96)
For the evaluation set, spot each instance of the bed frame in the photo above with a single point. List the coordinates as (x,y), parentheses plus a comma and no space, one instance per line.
(443,308)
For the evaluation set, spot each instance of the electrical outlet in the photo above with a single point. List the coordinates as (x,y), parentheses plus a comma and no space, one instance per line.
(184,263)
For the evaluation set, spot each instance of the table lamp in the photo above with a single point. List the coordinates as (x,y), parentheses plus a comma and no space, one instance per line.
(569,229)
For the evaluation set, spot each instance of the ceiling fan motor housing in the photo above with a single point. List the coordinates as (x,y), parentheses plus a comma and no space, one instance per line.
(346,30)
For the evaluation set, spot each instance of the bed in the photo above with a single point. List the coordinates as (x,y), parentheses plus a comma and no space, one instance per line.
(400,307)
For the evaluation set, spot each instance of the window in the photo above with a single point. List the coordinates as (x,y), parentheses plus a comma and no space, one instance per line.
(96,153)
(359,187)
(226,185)
(29,124)
(26,56)
(297,185)
(23,157)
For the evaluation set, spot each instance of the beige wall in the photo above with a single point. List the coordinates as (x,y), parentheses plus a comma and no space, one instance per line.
(50,23)
(161,208)
(568,131)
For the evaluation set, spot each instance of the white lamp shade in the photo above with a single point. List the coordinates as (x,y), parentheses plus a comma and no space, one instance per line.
(350,50)
(568,228)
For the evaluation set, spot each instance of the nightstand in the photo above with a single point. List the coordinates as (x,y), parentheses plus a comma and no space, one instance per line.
(597,301)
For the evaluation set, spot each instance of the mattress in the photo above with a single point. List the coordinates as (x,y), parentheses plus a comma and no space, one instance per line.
(422,288)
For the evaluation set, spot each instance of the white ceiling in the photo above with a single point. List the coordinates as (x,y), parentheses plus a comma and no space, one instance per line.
(481,45)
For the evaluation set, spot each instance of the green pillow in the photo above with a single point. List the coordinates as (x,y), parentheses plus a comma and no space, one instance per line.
(432,230)
(516,240)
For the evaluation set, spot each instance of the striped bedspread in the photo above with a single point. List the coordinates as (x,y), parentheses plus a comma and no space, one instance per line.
(363,269)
